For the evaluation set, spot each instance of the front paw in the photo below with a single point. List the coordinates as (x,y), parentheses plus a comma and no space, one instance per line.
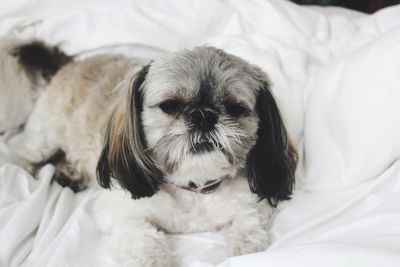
(65,180)
(132,238)
(147,252)
(146,260)
(240,242)
(247,246)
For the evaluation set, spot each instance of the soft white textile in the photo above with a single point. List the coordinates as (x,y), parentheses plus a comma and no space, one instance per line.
(336,79)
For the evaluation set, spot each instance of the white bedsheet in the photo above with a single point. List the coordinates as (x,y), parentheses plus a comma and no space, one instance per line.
(336,79)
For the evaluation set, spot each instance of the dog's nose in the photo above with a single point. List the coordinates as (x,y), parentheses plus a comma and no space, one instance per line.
(203,119)
(192,185)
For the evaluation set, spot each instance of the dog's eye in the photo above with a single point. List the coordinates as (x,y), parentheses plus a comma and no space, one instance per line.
(171,106)
(236,110)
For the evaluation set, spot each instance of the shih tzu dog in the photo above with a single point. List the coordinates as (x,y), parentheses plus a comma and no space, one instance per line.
(195,138)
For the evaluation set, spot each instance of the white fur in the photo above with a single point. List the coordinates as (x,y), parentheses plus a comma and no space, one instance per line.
(17,90)
(136,228)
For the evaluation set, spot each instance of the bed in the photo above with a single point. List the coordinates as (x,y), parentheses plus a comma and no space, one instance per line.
(336,78)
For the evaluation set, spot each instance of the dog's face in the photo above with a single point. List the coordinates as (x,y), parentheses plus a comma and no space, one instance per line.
(199,115)
(194,117)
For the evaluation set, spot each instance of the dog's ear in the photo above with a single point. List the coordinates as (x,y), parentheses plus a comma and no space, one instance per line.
(272,161)
(125,156)
(36,57)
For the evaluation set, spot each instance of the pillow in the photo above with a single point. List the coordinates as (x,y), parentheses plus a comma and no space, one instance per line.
(352,116)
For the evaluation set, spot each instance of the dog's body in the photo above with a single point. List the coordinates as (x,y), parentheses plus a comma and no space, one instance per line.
(72,114)
(195,137)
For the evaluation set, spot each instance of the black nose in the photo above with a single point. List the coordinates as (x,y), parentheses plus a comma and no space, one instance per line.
(203,119)
(192,185)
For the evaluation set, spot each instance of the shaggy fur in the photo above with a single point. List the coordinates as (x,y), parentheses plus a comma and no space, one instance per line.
(71,116)
(185,120)
(23,78)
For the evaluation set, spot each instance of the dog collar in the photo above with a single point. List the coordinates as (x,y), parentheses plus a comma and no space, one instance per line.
(208,188)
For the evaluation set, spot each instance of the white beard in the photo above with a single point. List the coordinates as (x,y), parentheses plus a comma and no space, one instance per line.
(201,168)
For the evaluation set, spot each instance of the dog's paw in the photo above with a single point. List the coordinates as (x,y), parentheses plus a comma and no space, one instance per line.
(246,242)
(247,246)
(151,261)
(67,176)
(137,243)
(132,239)
(65,180)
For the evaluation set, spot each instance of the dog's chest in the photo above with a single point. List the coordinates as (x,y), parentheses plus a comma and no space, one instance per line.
(187,212)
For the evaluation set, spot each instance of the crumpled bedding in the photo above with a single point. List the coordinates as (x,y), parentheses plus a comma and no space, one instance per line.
(335,76)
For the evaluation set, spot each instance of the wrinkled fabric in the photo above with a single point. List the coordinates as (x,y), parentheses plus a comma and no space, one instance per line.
(335,76)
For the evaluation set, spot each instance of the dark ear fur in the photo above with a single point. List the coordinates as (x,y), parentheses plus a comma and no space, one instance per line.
(36,57)
(272,161)
(125,154)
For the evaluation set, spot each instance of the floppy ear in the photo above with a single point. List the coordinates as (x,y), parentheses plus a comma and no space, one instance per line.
(272,161)
(125,154)
(36,57)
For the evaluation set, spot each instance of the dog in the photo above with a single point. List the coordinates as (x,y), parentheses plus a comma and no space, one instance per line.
(190,141)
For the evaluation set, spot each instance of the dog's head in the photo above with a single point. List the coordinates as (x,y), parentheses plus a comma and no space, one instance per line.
(25,68)
(193,117)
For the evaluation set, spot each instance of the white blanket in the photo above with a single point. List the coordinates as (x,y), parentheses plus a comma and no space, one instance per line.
(336,77)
